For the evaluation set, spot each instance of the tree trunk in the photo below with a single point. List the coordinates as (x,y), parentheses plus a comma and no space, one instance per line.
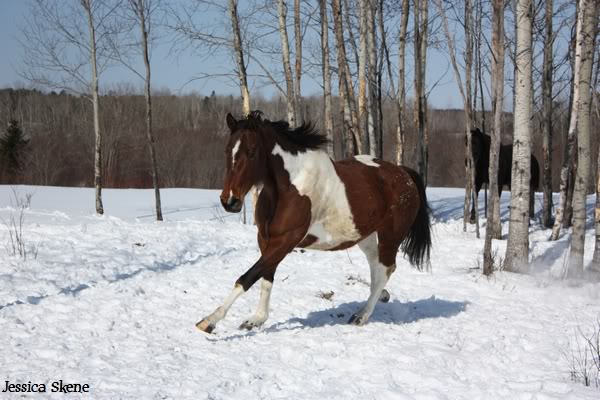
(287,67)
(141,10)
(363,112)
(385,55)
(470,165)
(326,71)
(570,145)
(401,82)
(588,9)
(517,249)
(345,84)
(243,77)
(595,266)
(547,118)
(239,57)
(421,27)
(470,171)
(373,126)
(298,64)
(88,7)
(494,228)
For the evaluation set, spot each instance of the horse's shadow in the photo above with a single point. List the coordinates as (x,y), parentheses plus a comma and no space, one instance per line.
(394,312)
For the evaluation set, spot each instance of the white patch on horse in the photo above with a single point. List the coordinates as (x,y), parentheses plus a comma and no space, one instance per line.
(367,160)
(234,152)
(313,175)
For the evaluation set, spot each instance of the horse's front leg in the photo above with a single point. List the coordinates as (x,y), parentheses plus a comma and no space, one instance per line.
(262,313)
(276,249)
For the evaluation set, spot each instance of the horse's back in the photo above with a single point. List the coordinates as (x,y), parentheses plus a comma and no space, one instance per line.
(377,190)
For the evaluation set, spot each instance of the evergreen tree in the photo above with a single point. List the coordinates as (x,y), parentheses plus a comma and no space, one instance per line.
(12,144)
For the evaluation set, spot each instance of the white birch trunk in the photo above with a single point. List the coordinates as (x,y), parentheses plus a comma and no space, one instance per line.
(564,173)
(372,127)
(298,64)
(401,82)
(588,8)
(326,71)
(517,249)
(239,56)
(285,53)
(88,7)
(547,118)
(494,228)
(141,12)
(363,115)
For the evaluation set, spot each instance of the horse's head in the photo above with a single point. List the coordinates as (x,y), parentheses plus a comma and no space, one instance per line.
(246,161)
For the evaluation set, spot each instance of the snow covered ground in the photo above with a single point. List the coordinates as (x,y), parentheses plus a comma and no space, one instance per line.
(112,301)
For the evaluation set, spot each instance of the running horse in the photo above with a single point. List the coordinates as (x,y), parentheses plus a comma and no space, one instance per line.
(309,201)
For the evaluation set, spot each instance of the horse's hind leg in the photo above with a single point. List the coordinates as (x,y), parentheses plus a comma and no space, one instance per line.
(380,275)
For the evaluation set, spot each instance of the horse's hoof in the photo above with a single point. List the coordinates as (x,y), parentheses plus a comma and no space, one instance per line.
(384,297)
(248,326)
(357,320)
(205,326)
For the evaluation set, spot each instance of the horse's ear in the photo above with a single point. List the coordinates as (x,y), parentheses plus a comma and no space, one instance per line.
(231,122)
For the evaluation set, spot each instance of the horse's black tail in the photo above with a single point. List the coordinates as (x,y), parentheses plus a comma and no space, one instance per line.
(417,244)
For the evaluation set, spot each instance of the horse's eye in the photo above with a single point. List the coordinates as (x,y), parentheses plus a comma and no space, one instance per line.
(252,155)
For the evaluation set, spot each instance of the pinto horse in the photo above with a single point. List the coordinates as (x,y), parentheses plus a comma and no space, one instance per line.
(309,201)
(480,147)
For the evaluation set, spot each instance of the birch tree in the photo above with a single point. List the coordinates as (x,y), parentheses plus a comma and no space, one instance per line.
(517,249)
(547,117)
(466,97)
(588,11)
(239,56)
(421,25)
(143,13)
(400,106)
(65,48)
(363,111)
(352,134)
(287,67)
(493,228)
(326,72)
(570,145)
(298,63)
(373,125)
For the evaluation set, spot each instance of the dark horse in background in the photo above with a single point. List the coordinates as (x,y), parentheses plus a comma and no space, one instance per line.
(481,156)
(307,200)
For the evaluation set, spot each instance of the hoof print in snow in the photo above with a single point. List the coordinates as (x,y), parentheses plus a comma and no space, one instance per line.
(204,326)
(384,297)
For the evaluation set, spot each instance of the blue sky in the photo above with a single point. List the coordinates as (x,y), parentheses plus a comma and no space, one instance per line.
(174,71)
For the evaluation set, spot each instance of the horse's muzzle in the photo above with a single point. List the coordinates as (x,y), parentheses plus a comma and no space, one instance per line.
(232,205)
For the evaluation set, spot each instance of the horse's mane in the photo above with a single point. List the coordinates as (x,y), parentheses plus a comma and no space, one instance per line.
(302,138)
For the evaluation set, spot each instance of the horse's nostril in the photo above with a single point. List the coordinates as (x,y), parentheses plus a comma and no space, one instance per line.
(233,204)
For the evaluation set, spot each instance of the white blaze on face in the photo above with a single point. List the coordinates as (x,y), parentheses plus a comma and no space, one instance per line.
(234,152)
(313,175)
(367,160)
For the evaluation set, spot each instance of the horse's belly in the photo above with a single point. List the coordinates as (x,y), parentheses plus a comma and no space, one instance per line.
(331,234)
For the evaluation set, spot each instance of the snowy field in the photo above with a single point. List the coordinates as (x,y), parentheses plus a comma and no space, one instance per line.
(112,302)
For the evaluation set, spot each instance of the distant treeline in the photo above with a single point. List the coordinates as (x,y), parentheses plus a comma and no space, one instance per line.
(190,132)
